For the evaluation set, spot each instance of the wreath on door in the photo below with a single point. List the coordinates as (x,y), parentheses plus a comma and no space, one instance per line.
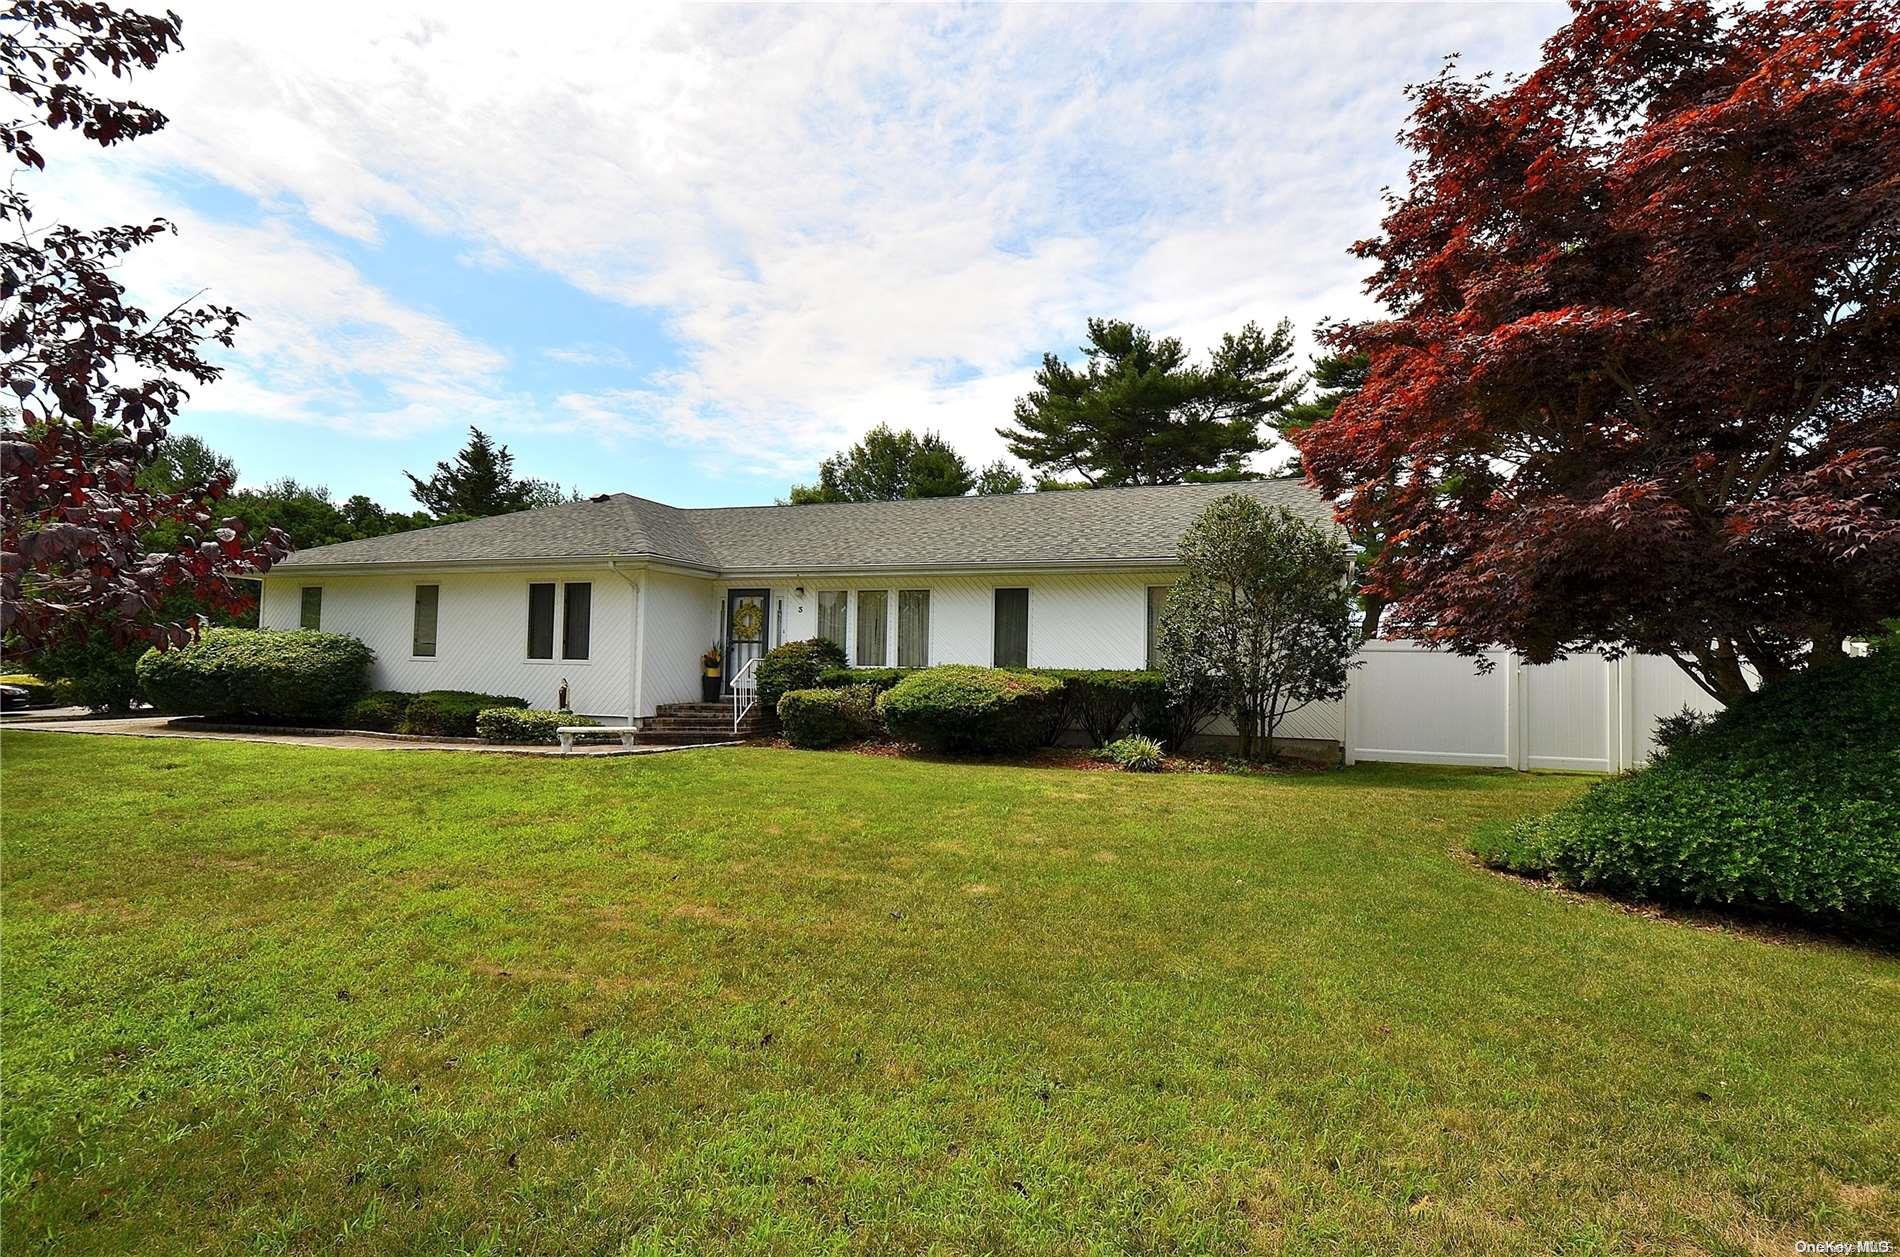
(748,620)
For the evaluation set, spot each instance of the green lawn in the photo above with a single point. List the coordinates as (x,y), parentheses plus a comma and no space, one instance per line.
(285,999)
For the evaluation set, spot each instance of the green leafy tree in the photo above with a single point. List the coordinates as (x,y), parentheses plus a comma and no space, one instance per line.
(1138,411)
(1262,618)
(479,482)
(180,461)
(999,477)
(888,466)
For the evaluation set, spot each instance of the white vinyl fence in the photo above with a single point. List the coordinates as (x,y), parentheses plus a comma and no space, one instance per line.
(1414,705)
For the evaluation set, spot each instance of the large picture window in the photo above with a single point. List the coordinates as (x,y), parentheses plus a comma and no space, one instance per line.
(577,606)
(310,610)
(873,627)
(1011,648)
(831,616)
(541,621)
(1157,599)
(422,633)
(913,628)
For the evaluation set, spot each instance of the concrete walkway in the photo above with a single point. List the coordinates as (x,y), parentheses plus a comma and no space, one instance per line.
(170,727)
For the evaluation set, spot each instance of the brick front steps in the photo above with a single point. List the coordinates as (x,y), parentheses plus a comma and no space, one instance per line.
(686,723)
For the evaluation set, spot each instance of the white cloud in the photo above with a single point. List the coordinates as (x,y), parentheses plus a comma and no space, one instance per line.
(843,214)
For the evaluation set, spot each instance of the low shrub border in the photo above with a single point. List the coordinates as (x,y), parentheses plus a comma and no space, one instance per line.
(451,712)
(525,726)
(298,675)
(817,718)
(1787,801)
(795,666)
(964,709)
(379,712)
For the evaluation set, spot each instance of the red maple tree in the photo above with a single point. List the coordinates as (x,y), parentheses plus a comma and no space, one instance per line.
(95,379)
(1639,386)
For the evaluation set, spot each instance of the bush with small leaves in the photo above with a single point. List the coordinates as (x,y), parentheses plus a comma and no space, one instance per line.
(1789,799)
(380,711)
(814,719)
(879,679)
(966,709)
(525,726)
(1134,754)
(299,675)
(795,666)
(451,713)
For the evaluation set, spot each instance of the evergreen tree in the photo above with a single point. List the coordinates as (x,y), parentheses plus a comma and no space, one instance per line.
(1139,412)
(481,481)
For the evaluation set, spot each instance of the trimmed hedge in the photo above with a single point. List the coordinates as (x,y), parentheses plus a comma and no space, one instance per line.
(452,713)
(879,679)
(1788,800)
(1104,700)
(298,675)
(961,708)
(1134,754)
(815,719)
(795,666)
(380,711)
(529,726)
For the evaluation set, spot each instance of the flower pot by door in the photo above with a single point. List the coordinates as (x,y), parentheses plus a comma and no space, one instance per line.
(709,687)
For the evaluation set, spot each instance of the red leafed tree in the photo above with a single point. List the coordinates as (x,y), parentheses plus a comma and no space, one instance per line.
(96,380)
(1638,389)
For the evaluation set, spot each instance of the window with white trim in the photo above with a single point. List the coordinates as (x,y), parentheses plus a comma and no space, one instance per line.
(913,628)
(310,609)
(1011,644)
(422,631)
(832,616)
(873,628)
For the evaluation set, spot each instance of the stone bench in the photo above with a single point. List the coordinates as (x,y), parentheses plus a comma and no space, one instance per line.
(566,734)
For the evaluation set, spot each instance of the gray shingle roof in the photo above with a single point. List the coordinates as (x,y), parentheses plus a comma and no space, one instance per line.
(1029,529)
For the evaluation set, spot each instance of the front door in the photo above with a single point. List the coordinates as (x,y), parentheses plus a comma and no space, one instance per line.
(746,615)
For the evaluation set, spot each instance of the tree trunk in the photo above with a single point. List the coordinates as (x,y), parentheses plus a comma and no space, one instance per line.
(1717,671)
(1827,647)
(1374,609)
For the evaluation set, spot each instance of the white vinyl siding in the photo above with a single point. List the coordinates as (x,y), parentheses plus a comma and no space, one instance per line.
(310,607)
(913,628)
(832,617)
(422,630)
(873,628)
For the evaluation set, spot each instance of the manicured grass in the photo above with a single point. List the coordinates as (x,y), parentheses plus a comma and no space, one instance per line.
(270,999)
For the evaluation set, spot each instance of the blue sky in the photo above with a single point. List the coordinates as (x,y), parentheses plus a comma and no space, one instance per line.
(694,250)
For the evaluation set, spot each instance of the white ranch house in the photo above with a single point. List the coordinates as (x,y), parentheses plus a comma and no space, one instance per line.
(619,596)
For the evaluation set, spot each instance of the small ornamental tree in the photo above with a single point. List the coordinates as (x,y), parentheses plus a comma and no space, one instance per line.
(481,481)
(1638,390)
(92,382)
(1262,618)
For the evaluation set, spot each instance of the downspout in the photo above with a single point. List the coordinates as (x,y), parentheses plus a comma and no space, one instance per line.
(636,680)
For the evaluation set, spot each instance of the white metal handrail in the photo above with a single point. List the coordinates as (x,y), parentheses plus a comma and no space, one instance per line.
(745,686)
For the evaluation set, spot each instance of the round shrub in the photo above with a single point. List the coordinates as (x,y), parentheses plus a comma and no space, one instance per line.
(524,725)
(267,674)
(1134,754)
(961,708)
(795,666)
(380,711)
(451,713)
(1788,800)
(815,719)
